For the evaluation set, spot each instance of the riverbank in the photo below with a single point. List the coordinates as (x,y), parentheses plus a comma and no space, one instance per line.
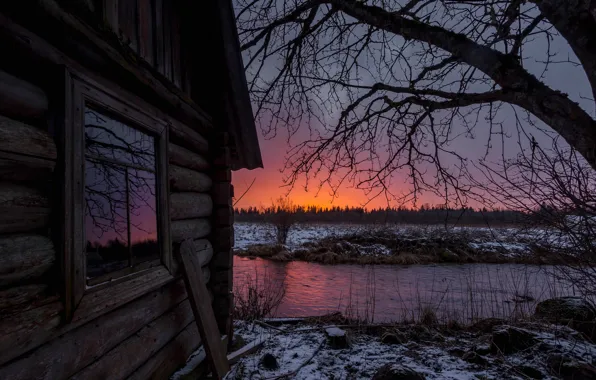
(489,349)
(410,246)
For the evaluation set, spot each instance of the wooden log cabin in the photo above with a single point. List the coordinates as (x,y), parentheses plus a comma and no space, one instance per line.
(120,123)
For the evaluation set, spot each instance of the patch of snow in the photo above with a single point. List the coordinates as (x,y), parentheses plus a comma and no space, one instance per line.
(335,331)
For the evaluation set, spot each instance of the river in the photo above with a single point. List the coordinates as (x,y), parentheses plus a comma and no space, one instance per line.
(384,293)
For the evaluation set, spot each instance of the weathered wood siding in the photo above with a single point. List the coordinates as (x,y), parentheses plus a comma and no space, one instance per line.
(120,333)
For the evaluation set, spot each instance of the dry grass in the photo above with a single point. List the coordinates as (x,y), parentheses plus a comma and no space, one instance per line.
(257,297)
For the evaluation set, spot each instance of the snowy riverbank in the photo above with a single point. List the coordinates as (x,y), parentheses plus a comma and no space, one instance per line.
(488,350)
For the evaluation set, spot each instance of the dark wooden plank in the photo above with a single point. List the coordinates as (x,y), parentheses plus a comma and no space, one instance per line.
(24,256)
(140,346)
(167,39)
(163,364)
(21,331)
(190,205)
(96,303)
(74,144)
(176,46)
(129,22)
(17,137)
(19,167)
(22,208)
(198,296)
(101,54)
(183,157)
(184,135)
(110,14)
(190,229)
(183,179)
(158,35)
(25,297)
(79,345)
(145,12)
(19,98)
(163,190)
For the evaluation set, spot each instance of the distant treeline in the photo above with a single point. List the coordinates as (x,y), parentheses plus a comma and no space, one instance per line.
(424,215)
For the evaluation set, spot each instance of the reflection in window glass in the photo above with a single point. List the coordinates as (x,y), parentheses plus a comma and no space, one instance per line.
(120,209)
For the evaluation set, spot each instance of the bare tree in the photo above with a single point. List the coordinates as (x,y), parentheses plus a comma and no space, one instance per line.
(386,87)
(282,217)
(556,188)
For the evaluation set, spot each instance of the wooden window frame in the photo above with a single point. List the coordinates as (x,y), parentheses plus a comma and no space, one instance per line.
(79,91)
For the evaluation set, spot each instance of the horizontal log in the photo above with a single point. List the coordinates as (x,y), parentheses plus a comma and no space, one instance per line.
(131,353)
(183,157)
(28,329)
(81,346)
(189,229)
(190,205)
(18,167)
(25,256)
(19,98)
(184,135)
(17,137)
(183,179)
(26,297)
(173,356)
(22,208)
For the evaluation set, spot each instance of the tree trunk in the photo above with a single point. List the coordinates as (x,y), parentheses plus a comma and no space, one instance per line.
(520,87)
(576,21)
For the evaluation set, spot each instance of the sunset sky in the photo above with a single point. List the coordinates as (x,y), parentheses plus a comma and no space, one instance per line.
(269,181)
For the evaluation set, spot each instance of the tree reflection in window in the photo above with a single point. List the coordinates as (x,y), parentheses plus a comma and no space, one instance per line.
(120,204)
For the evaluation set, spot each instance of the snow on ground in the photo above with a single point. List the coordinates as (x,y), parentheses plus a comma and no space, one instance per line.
(247,234)
(303,350)
(506,241)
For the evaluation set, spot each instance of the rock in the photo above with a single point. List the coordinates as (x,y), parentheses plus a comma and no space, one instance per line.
(508,340)
(472,357)
(570,369)
(337,338)
(482,349)
(393,338)
(575,312)
(486,325)
(565,309)
(459,352)
(530,372)
(397,372)
(269,362)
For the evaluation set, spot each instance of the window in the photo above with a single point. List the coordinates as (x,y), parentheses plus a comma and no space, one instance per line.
(120,205)
(116,226)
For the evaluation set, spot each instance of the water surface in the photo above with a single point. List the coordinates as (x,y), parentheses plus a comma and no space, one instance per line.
(391,292)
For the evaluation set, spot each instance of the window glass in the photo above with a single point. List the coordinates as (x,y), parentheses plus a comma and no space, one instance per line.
(120,196)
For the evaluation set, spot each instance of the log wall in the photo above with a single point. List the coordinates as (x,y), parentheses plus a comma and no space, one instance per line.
(146,336)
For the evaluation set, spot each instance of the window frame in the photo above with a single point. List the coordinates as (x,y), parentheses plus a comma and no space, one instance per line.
(80,91)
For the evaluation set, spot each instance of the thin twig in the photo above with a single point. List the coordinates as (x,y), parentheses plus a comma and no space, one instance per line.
(246,191)
(294,372)
(261,323)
